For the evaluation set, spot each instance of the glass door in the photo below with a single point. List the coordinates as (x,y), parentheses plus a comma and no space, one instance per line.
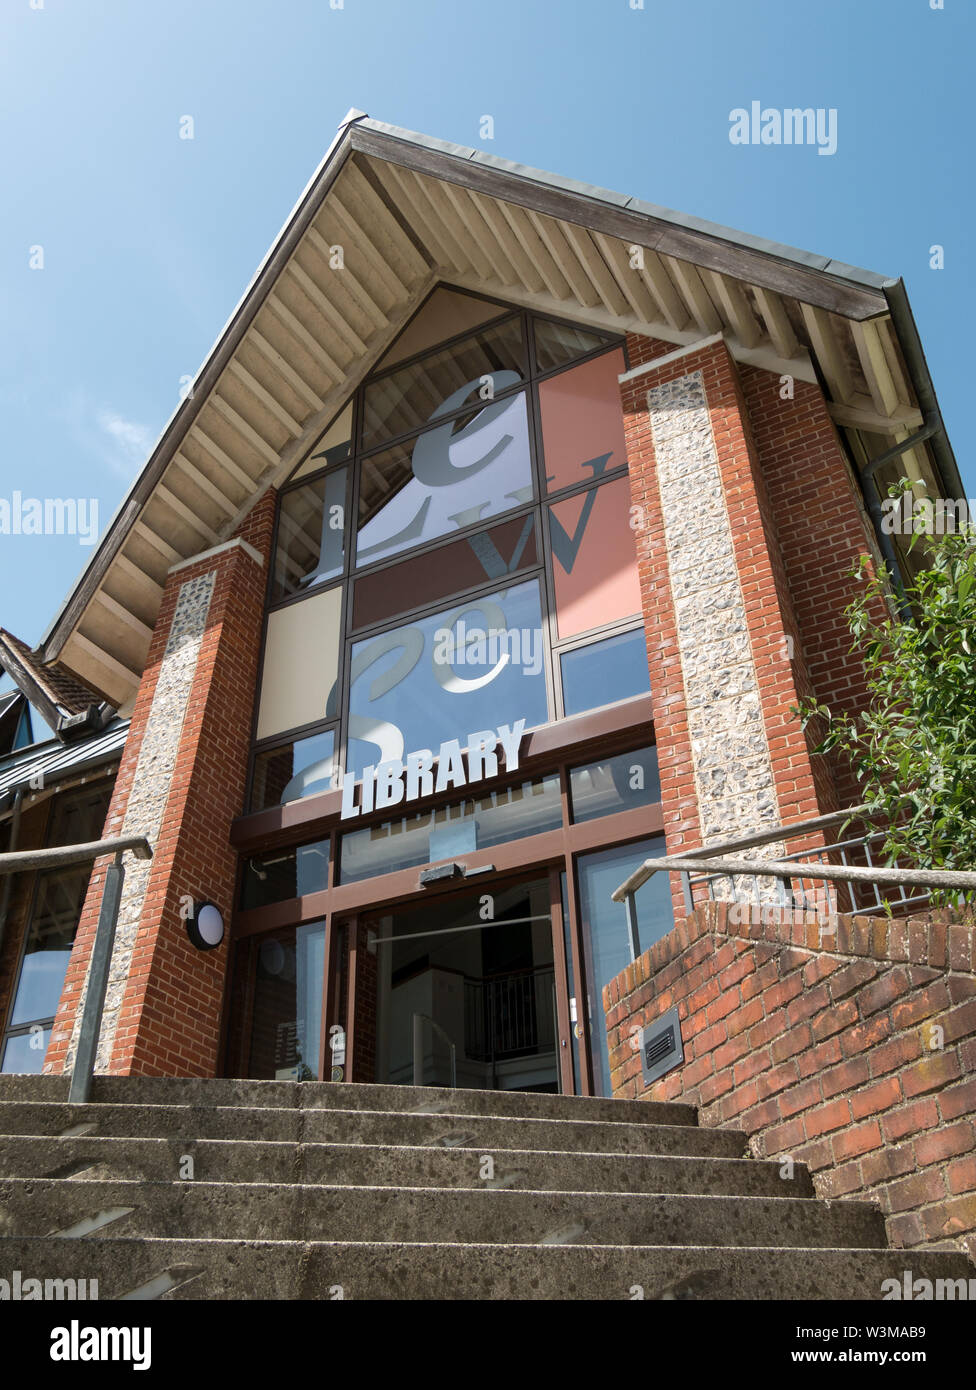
(465,990)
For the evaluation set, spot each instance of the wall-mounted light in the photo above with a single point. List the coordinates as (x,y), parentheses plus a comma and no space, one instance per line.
(206,926)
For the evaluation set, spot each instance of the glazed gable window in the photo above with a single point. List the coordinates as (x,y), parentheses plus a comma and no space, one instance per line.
(454,552)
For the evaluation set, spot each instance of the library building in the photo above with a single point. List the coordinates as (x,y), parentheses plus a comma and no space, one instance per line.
(486,558)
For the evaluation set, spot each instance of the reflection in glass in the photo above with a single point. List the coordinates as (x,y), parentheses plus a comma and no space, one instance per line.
(293,770)
(557,344)
(466,826)
(615,784)
(60,897)
(286,1016)
(448,675)
(333,447)
(285,873)
(407,398)
(24,1053)
(452,476)
(605,935)
(311,527)
(604,672)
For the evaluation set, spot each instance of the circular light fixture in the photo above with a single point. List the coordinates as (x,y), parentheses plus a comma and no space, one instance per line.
(206,927)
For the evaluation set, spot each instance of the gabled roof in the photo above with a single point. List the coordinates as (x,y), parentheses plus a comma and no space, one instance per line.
(54,690)
(409,212)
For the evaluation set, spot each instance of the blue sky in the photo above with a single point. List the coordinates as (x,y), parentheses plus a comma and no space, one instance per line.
(148,239)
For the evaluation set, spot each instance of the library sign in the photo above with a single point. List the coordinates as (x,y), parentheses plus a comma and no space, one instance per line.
(400,781)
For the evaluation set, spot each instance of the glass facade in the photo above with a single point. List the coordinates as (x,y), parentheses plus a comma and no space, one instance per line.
(614,784)
(413,636)
(528,808)
(454,555)
(469,667)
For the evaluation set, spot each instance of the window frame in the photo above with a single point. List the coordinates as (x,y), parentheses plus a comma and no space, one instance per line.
(538,507)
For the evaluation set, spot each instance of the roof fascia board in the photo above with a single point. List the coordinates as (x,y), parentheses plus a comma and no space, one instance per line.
(857,293)
(29,687)
(180,422)
(907,333)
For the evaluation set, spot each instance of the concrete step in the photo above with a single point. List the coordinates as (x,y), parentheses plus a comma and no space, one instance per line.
(221,1269)
(327,1125)
(267,1211)
(239,1160)
(325,1095)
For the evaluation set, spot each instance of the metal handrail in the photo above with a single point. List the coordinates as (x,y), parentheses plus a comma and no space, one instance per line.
(761,837)
(62,856)
(709,862)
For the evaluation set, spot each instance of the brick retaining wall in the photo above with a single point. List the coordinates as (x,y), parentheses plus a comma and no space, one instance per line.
(854,1053)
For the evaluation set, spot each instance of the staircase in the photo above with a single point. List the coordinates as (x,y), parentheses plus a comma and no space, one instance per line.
(178,1189)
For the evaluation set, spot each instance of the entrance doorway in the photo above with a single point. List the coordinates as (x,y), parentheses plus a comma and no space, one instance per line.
(466,991)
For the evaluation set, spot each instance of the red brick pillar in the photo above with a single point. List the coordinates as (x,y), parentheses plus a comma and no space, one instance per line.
(181,783)
(726,662)
(823,528)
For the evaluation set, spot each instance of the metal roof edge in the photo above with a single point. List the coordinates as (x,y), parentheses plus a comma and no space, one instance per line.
(910,341)
(810,260)
(54,756)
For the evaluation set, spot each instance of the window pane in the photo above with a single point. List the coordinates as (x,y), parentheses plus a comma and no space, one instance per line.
(293,770)
(286,1021)
(448,675)
(285,873)
(582,421)
(451,831)
(80,819)
(451,569)
(301,662)
(333,447)
(557,344)
(60,897)
(615,784)
(439,383)
(594,559)
(454,475)
(25,1053)
(311,527)
(604,672)
(605,927)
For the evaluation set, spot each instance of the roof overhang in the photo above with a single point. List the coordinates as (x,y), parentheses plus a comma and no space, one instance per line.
(410,212)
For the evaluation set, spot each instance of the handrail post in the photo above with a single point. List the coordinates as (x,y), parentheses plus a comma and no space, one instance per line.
(632,928)
(91,1015)
(418,1049)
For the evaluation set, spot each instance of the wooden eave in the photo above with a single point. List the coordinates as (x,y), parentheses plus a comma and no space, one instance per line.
(409,213)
